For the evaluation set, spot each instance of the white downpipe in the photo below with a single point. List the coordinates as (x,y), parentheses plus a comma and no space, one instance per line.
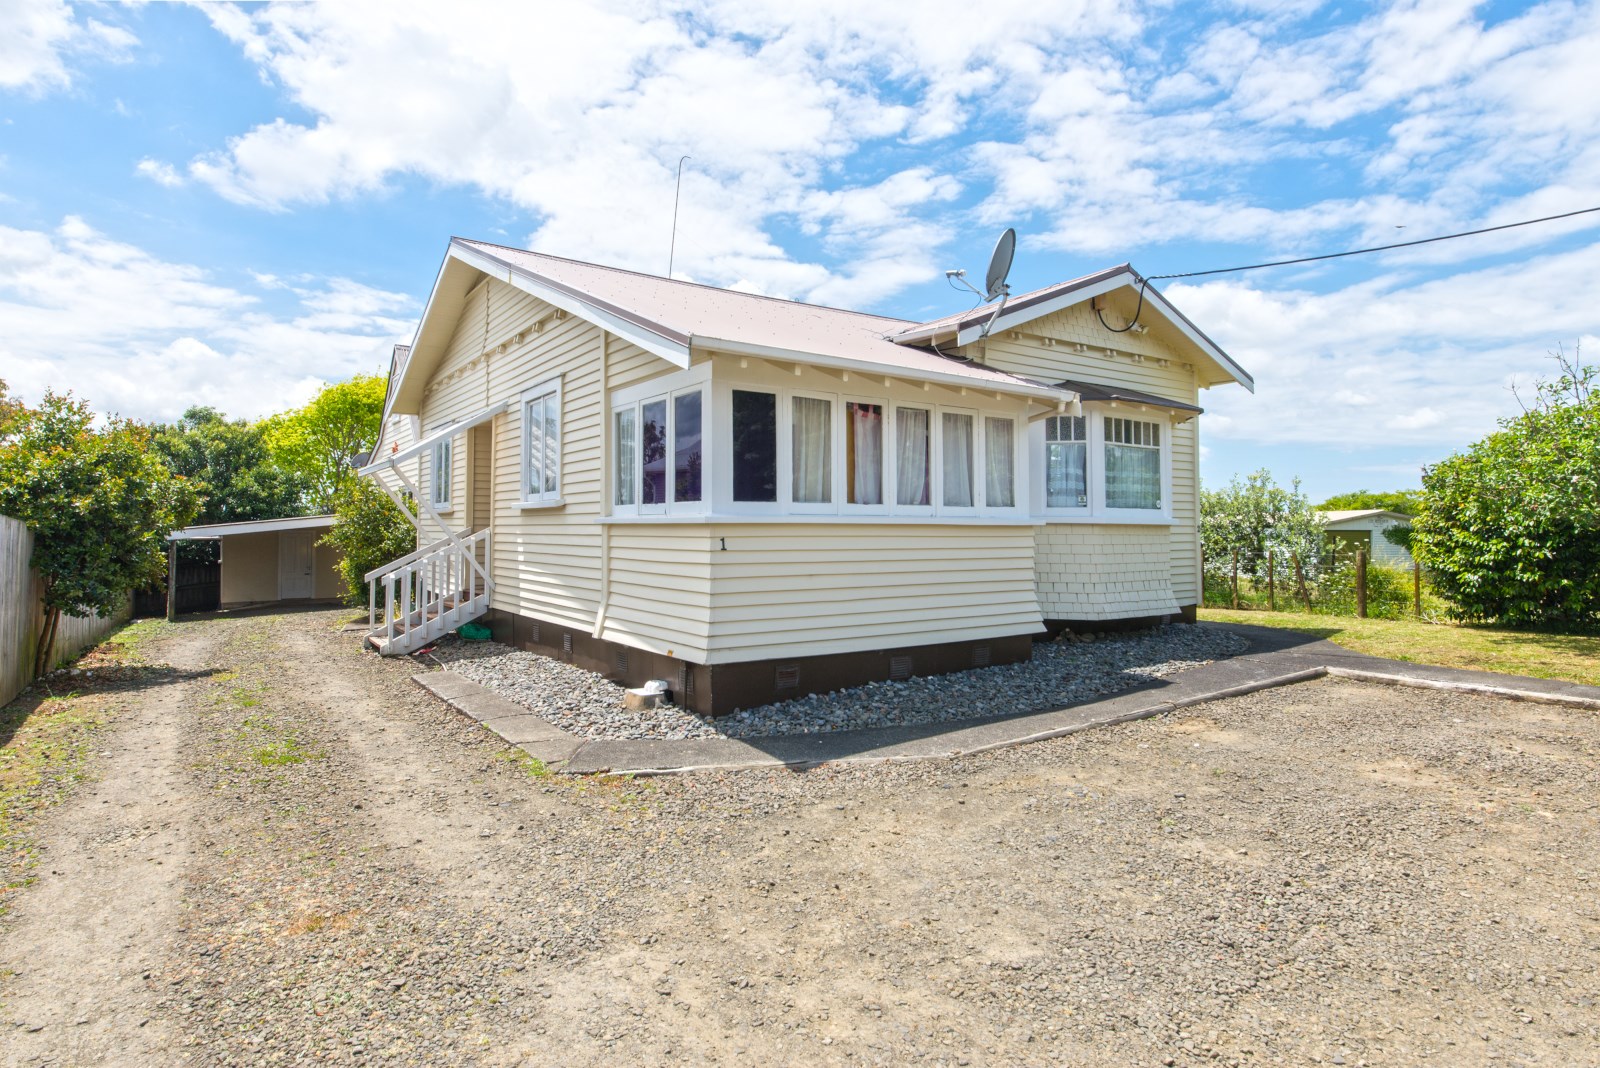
(606,475)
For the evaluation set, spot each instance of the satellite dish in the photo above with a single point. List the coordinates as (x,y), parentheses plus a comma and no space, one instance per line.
(994,283)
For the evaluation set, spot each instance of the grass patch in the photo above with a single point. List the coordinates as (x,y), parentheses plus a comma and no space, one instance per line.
(1568,657)
(283,752)
(46,741)
(531,765)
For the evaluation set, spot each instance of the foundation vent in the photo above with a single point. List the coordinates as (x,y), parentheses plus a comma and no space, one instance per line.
(788,677)
(533,635)
(622,661)
(685,680)
(982,656)
(899,668)
(566,642)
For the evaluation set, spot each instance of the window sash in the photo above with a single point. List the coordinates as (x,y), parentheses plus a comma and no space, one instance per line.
(811,451)
(626,424)
(541,444)
(913,433)
(1132,464)
(443,473)
(999,462)
(755,446)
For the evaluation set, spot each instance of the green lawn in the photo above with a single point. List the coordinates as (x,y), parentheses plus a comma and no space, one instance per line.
(1574,658)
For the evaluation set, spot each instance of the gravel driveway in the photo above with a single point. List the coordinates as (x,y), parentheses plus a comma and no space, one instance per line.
(324,864)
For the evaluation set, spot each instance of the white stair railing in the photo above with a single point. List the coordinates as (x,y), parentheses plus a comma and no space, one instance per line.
(428,592)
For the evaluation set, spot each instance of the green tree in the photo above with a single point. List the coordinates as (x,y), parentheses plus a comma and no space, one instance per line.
(1406,502)
(99,503)
(1511,532)
(318,442)
(1262,522)
(369,532)
(230,466)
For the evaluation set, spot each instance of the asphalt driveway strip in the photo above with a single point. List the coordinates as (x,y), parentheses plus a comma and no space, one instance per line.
(1274,658)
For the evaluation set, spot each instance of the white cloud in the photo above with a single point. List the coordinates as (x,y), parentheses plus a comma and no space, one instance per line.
(772,101)
(146,338)
(159,172)
(1401,359)
(37,38)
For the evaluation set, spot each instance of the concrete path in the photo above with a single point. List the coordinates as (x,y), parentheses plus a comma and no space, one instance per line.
(1274,658)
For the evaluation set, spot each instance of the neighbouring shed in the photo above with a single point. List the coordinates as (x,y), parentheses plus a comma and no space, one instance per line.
(272,561)
(1363,528)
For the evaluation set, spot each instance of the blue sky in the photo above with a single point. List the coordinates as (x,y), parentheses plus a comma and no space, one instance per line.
(233,204)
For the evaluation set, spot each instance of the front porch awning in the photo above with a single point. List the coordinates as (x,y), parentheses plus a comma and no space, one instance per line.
(377,467)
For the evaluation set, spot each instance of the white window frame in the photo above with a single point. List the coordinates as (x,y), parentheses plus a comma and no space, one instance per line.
(976,466)
(935,460)
(1042,477)
(1163,508)
(1019,464)
(443,450)
(545,498)
(1095,415)
(842,493)
(665,389)
(723,429)
(786,453)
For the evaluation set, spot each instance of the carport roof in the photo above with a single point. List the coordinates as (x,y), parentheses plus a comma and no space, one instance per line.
(211,531)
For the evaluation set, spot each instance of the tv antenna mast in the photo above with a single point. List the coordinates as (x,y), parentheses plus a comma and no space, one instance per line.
(994,280)
(672,250)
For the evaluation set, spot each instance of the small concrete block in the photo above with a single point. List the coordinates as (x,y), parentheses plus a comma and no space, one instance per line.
(639,700)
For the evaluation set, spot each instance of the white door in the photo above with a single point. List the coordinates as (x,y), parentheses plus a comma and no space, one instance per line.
(296,558)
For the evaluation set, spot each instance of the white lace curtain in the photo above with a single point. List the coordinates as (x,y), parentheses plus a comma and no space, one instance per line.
(813,450)
(1000,463)
(911,433)
(1133,477)
(866,439)
(956,430)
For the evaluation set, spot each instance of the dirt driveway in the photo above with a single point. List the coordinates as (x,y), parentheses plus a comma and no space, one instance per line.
(290,854)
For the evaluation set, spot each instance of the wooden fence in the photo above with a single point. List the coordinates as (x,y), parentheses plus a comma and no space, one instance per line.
(21,614)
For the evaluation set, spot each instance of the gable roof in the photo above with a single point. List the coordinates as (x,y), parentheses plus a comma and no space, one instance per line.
(670,319)
(963,328)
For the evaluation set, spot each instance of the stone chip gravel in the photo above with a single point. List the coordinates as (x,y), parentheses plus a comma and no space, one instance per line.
(1061,673)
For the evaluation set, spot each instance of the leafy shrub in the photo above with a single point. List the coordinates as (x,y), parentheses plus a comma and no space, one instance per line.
(1511,531)
(369,531)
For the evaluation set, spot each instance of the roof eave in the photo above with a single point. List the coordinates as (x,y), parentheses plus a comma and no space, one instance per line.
(1013,385)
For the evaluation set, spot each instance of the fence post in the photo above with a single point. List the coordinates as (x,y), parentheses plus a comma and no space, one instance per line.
(172,581)
(1236,580)
(1300,582)
(1416,588)
(1272,583)
(1361,583)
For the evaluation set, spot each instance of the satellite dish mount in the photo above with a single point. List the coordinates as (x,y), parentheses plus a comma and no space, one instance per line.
(994,280)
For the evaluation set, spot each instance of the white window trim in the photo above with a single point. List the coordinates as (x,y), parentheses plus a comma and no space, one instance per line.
(447,505)
(842,464)
(544,498)
(1095,415)
(667,388)
(934,462)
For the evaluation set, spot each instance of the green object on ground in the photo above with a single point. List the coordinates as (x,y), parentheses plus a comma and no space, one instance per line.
(474,632)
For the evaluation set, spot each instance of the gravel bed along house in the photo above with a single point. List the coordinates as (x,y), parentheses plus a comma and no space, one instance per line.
(1061,673)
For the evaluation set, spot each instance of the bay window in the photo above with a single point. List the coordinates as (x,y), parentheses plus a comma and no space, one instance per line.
(659,453)
(1102,466)
(863,453)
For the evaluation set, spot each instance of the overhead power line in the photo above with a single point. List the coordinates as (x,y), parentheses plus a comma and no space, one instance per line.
(1378,248)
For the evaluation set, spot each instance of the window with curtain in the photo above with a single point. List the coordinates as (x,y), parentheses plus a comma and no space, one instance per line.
(1133,464)
(863,452)
(1066,461)
(999,462)
(813,451)
(653,453)
(686,447)
(955,431)
(913,457)
(541,443)
(443,472)
(627,457)
(755,446)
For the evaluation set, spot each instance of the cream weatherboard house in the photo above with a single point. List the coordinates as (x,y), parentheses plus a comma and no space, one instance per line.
(755,498)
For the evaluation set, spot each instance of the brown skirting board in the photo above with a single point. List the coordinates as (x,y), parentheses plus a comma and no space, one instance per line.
(718,689)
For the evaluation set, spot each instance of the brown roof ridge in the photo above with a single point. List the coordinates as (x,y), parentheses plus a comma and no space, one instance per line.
(681,282)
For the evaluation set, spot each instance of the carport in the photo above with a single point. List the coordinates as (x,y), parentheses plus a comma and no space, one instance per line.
(265,561)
